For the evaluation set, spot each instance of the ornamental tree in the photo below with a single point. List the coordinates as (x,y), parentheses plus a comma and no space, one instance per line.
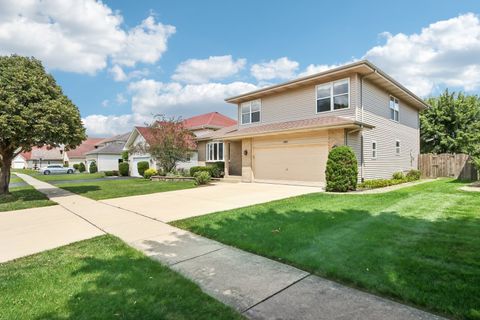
(451,125)
(168,142)
(34,112)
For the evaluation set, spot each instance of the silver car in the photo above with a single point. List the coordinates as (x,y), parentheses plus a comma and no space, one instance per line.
(56,168)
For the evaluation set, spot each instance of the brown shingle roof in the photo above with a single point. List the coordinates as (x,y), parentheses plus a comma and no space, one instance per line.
(86,146)
(314,123)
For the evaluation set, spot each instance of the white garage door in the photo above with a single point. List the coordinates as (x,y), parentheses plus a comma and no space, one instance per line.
(295,164)
(134,168)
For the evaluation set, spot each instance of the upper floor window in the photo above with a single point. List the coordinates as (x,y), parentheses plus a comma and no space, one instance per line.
(214,151)
(251,111)
(333,96)
(394,108)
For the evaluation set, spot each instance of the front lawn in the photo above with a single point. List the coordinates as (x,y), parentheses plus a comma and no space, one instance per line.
(420,245)
(61,177)
(23,198)
(107,189)
(101,278)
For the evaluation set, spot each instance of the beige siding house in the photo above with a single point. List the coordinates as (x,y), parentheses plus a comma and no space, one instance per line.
(285,132)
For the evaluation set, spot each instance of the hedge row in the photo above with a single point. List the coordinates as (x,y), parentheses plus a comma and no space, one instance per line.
(398,178)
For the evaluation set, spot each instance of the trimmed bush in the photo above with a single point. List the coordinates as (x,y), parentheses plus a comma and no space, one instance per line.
(398,176)
(196,169)
(149,173)
(76,166)
(125,156)
(342,170)
(81,167)
(142,166)
(202,177)
(413,175)
(217,169)
(380,183)
(93,167)
(112,173)
(123,168)
(65,165)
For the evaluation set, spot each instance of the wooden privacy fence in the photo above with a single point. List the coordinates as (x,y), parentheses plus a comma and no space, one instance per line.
(447,165)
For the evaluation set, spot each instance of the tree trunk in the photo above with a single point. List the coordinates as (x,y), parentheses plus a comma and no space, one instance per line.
(5,173)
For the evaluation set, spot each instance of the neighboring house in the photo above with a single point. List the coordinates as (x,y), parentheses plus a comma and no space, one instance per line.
(78,155)
(108,153)
(285,131)
(39,157)
(202,127)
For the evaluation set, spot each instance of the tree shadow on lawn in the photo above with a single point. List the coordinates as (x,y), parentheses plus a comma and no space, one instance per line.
(430,263)
(82,189)
(126,287)
(22,194)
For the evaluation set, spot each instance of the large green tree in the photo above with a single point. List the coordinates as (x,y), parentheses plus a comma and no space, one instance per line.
(33,112)
(452,124)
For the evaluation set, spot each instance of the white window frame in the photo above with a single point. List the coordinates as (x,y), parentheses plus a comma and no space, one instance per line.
(398,148)
(331,83)
(395,108)
(210,151)
(249,103)
(374,150)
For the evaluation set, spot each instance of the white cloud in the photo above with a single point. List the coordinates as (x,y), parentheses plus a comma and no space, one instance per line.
(145,43)
(317,68)
(446,53)
(105,103)
(77,35)
(153,97)
(120,99)
(105,126)
(282,68)
(204,70)
(118,74)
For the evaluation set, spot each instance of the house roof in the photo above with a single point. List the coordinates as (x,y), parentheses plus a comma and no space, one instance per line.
(212,120)
(111,148)
(365,68)
(43,153)
(120,137)
(86,146)
(292,126)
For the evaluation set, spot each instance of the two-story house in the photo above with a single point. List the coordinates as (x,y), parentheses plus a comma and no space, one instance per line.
(285,131)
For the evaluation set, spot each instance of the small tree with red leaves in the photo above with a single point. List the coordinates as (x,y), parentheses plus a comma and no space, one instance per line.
(168,142)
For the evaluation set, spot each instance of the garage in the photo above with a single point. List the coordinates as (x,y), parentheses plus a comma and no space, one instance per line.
(291,159)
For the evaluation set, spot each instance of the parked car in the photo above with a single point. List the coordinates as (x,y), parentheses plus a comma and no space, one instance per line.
(56,168)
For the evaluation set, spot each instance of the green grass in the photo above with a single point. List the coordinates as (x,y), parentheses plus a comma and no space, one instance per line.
(419,245)
(59,177)
(15,179)
(101,278)
(23,198)
(107,189)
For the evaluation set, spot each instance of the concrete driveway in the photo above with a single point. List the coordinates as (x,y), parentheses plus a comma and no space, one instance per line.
(182,204)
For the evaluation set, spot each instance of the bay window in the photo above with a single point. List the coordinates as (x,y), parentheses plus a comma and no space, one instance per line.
(214,151)
(333,95)
(251,111)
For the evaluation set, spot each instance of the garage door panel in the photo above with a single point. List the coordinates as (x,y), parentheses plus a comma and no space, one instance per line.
(290,163)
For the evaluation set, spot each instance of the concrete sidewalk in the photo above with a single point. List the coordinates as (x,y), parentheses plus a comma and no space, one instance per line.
(258,287)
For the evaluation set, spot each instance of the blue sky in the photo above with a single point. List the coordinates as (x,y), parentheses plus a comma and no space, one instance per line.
(123,61)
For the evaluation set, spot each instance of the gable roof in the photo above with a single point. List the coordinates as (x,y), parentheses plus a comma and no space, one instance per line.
(111,148)
(43,153)
(119,137)
(86,146)
(213,120)
(365,68)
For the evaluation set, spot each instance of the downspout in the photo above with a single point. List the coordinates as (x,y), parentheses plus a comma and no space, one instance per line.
(361,131)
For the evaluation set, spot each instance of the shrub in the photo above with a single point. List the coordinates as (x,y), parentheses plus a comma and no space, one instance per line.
(196,169)
(149,173)
(123,168)
(111,173)
(93,167)
(142,166)
(201,177)
(342,170)
(65,165)
(398,175)
(81,167)
(380,183)
(115,173)
(76,166)
(413,175)
(217,169)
